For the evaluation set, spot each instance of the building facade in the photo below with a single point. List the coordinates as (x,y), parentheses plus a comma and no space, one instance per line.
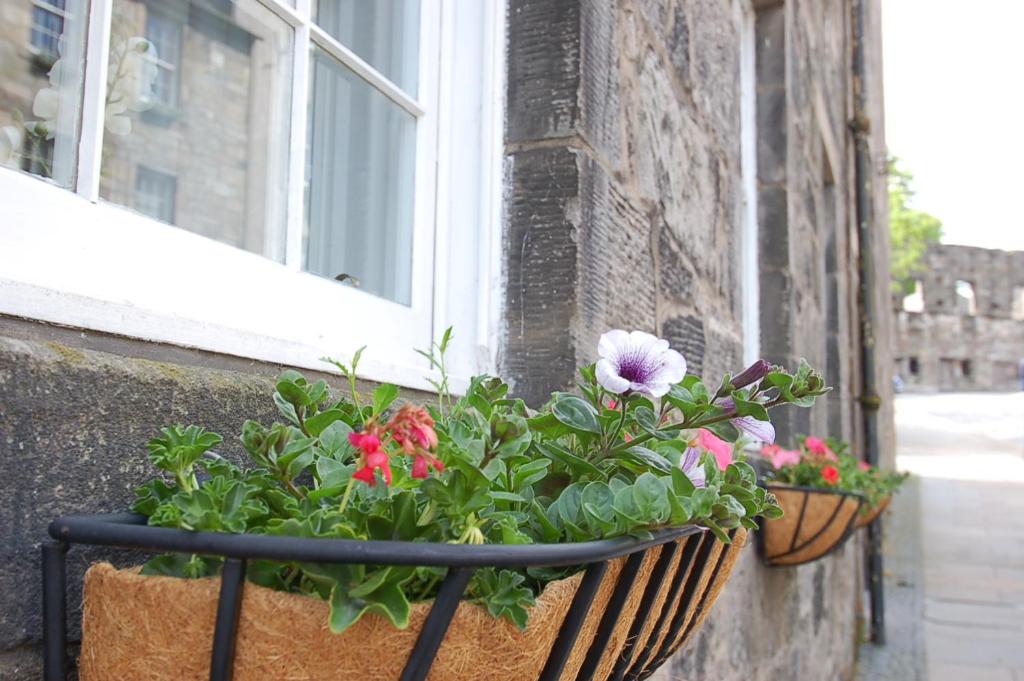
(533,171)
(963,327)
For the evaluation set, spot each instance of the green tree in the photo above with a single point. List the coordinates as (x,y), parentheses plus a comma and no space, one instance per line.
(911,229)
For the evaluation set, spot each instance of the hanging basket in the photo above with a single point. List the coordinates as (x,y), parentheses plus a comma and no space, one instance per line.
(865,519)
(636,604)
(815,522)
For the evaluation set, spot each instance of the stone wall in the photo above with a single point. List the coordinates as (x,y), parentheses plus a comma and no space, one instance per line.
(946,343)
(625,173)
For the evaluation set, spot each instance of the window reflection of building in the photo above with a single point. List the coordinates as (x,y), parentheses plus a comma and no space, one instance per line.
(155,194)
(216,92)
(47,25)
(165,35)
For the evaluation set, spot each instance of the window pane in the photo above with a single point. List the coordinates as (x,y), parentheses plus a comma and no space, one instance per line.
(362,151)
(42,51)
(384,33)
(197,121)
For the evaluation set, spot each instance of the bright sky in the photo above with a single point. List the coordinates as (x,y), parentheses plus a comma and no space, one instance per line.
(954,99)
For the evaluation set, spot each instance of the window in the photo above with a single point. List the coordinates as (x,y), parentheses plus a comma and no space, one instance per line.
(965,368)
(155,194)
(164,36)
(915,301)
(965,300)
(47,26)
(914,366)
(1017,304)
(334,139)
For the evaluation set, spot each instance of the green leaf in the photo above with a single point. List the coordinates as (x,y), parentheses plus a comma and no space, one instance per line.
(647,458)
(625,506)
(179,447)
(318,423)
(383,396)
(580,467)
(719,533)
(747,408)
(649,494)
(149,496)
(548,425)
(570,504)
(549,533)
(293,393)
(576,414)
(334,440)
(286,408)
(503,594)
(524,476)
(597,502)
(682,486)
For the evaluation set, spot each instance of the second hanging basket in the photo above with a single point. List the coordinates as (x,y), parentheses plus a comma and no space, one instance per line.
(815,522)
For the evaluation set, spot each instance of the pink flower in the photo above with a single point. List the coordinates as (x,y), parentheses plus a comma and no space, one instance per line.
(422,462)
(716,445)
(780,457)
(412,428)
(863,465)
(818,447)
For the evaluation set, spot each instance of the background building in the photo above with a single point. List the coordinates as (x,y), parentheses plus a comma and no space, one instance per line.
(686,167)
(963,327)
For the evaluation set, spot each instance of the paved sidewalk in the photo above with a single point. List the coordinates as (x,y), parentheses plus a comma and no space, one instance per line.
(968,454)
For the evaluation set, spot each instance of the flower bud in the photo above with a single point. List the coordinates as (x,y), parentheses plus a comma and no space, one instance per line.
(752,374)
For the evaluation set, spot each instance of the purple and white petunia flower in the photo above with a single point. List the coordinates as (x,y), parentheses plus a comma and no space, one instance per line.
(639,362)
(762,431)
(691,465)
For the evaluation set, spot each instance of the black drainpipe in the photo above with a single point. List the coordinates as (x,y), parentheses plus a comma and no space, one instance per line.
(869,399)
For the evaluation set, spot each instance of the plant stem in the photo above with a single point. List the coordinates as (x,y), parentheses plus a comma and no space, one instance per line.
(685,425)
(346,495)
(292,489)
(428,588)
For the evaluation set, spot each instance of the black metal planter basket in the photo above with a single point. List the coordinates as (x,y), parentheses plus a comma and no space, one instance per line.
(815,523)
(668,581)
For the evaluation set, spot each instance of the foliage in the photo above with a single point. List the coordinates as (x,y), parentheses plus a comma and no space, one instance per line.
(828,463)
(911,230)
(479,468)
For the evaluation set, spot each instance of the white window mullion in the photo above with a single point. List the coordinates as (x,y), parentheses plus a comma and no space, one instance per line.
(329,44)
(94,95)
(297,147)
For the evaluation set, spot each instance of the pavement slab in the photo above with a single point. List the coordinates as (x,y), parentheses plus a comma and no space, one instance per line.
(966,504)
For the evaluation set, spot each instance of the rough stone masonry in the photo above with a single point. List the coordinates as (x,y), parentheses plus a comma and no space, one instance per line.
(625,155)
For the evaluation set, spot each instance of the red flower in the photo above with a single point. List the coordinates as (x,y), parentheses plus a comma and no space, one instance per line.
(367,442)
(371,456)
(830,474)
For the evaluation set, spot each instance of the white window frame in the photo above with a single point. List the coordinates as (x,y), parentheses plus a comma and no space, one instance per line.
(70,258)
(750,271)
